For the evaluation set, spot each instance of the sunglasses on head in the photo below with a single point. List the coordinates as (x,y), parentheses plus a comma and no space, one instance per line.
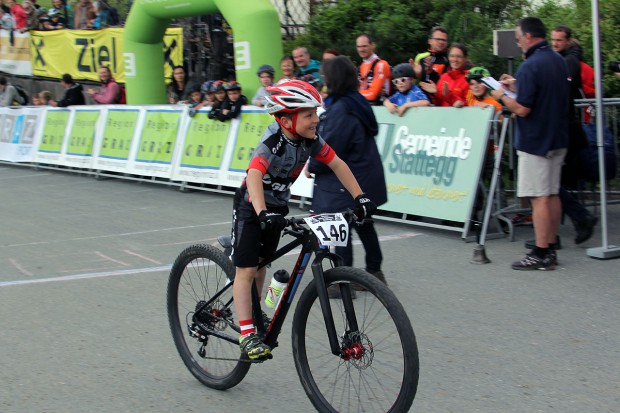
(400,80)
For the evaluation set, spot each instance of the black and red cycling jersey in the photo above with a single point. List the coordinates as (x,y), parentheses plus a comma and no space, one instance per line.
(281,160)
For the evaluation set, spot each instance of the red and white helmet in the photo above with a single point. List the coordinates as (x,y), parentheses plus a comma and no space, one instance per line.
(292,96)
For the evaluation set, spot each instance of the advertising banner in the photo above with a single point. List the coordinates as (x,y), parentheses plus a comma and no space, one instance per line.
(81,140)
(158,138)
(81,52)
(432,159)
(53,136)
(243,139)
(202,151)
(119,130)
(15,53)
(18,133)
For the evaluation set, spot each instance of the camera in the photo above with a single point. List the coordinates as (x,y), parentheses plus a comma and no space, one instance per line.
(614,66)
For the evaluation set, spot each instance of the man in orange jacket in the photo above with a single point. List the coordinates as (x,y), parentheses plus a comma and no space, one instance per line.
(374,74)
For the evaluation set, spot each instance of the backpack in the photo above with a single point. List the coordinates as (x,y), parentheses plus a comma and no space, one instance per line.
(589,155)
(24,99)
(368,79)
(123,99)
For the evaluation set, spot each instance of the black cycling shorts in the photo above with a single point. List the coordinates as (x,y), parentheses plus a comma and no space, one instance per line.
(250,242)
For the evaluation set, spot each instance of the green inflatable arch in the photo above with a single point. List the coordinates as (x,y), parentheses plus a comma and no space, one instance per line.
(256,27)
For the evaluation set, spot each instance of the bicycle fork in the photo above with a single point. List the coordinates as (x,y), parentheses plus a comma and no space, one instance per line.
(317,271)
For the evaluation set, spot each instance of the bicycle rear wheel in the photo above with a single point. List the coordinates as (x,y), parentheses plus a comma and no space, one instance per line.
(380,370)
(198,274)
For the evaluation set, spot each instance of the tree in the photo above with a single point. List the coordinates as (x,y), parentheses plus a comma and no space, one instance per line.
(578,16)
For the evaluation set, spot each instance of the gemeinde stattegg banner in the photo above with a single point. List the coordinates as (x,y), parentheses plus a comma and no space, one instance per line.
(432,157)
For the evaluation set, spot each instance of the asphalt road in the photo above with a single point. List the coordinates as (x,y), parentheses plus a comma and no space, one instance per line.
(83,272)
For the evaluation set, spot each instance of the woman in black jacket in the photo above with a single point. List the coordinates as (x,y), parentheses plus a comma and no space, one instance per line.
(349,126)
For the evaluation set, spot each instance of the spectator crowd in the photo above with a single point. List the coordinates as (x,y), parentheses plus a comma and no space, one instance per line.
(87,15)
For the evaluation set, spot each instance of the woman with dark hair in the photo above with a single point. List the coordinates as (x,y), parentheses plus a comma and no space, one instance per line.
(452,87)
(178,85)
(349,126)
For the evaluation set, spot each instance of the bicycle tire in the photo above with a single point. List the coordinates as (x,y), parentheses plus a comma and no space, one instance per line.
(385,377)
(198,273)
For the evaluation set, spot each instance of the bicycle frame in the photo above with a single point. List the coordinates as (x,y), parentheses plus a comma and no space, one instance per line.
(309,243)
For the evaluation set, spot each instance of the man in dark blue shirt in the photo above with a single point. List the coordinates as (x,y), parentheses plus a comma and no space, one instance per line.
(541,105)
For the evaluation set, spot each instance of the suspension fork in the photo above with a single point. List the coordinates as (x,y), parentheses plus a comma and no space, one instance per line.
(317,270)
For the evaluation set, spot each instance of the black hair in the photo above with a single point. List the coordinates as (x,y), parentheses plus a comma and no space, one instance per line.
(3,81)
(340,75)
(67,78)
(534,26)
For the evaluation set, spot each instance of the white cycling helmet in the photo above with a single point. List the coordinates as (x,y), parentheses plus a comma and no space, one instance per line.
(291,96)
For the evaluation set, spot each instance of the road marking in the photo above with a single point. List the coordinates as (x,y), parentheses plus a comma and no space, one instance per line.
(135,254)
(23,176)
(166,267)
(126,234)
(124,264)
(20,268)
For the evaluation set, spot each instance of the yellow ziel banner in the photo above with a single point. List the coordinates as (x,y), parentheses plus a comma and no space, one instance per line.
(81,52)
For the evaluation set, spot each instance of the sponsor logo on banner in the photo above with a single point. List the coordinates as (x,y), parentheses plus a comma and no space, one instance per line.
(432,159)
(15,53)
(251,127)
(200,152)
(158,136)
(81,52)
(118,134)
(54,130)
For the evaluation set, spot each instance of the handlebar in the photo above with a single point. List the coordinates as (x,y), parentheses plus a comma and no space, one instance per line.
(295,226)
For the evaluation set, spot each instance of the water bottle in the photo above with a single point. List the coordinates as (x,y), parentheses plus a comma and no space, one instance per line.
(276,288)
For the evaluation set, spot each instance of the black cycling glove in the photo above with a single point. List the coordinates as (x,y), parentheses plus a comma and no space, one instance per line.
(364,207)
(271,221)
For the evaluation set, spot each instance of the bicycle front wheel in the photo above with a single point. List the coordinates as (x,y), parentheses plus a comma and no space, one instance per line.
(378,368)
(208,342)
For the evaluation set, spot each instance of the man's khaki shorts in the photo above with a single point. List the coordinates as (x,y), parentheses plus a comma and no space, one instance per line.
(540,175)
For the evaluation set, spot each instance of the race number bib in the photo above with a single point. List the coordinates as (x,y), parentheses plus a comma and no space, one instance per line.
(330,229)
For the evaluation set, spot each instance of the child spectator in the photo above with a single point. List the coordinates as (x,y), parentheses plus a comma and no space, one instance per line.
(44,97)
(263,196)
(478,94)
(195,100)
(220,97)
(231,108)
(409,95)
(36,101)
(265,74)
(64,11)
(209,95)
(53,21)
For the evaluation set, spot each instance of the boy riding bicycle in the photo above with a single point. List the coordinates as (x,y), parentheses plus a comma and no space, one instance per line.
(263,196)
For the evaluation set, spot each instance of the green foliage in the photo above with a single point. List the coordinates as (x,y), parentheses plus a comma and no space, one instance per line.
(578,16)
(400,27)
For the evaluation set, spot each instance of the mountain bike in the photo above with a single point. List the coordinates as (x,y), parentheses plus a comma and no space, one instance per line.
(350,354)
